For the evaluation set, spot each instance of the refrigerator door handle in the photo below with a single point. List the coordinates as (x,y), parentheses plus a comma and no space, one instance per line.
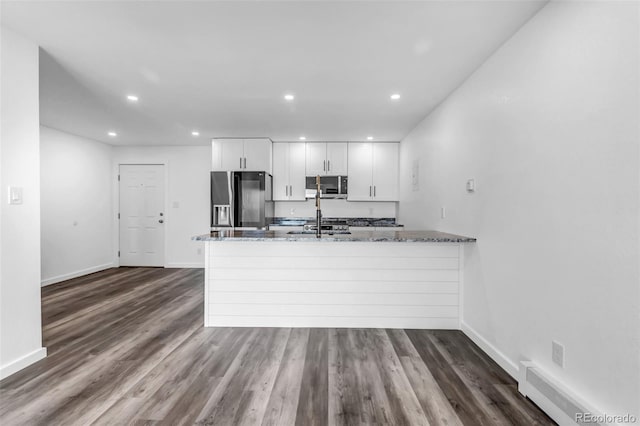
(232,213)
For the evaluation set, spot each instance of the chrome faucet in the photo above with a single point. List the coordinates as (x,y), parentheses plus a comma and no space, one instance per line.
(318,211)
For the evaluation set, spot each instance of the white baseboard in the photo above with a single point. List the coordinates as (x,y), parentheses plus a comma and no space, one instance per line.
(185,265)
(22,362)
(493,352)
(75,274)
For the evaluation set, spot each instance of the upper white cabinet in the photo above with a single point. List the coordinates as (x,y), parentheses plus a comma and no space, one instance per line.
(241,154)
(373,171)
(288,171)
(324,158)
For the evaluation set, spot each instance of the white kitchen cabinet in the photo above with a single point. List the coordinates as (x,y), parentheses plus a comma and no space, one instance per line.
(241,154)
(288,171)
(373,171)
(323,158)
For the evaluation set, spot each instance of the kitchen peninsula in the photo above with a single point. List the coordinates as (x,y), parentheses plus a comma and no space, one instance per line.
(376,279)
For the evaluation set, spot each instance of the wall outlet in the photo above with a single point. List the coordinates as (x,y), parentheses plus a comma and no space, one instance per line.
(443,212)
(471,185)
(557,353)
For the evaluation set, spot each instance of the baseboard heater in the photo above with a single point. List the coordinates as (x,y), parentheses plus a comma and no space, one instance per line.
(553,398)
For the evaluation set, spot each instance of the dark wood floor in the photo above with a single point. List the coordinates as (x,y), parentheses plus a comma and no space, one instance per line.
(127,346)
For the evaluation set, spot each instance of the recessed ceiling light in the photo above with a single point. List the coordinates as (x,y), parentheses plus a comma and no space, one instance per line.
(132,98)
(289,97)
(395,96)
(303,138)
(369,138)
(195,133)
(112,134)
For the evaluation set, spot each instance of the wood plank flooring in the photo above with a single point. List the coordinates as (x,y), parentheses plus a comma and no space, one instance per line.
(127,346)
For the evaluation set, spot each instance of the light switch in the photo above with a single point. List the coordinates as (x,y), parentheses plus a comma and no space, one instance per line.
(15,195)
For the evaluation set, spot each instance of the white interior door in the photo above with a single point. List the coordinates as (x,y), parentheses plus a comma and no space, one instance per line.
(142,215)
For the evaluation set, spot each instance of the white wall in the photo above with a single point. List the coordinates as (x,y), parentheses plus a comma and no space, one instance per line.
(548,127)
(20,329)
(335,208)
(188,169)
(76,205)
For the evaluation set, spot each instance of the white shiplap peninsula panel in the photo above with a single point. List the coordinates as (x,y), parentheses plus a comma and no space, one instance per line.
(332,284)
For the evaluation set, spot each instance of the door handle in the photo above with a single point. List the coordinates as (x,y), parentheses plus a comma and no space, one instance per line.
(369,190)
(290,191)
(245,162)
(324,165)
(240,162)
(328,165)
(161,221)
(374,190)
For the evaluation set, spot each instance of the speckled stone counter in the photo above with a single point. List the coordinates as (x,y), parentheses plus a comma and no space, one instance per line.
(355,236)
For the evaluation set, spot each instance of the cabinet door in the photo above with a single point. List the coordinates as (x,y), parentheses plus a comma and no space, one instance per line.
(226,154)
(385,171)
(230,154)
(360,158)
(297,172)
(316,158)
(280,171)
(257,154)
(337,154)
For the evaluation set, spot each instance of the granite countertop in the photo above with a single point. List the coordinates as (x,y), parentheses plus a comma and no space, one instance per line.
(358,236)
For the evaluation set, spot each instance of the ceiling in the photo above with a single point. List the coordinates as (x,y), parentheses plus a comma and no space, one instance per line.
(222,68)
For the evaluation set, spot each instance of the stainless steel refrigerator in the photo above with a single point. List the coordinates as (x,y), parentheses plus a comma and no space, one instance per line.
(241,200)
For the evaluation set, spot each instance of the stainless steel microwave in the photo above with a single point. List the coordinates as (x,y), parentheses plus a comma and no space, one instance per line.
(330,187)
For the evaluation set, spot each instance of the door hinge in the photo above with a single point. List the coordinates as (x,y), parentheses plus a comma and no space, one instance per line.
(118,253)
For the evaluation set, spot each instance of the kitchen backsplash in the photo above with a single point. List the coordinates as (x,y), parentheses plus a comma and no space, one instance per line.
(336,208)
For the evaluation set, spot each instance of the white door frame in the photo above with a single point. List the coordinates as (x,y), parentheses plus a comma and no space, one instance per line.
(116,205)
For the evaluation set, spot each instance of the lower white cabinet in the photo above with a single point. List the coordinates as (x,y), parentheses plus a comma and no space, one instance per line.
(373,171)
(288,171)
